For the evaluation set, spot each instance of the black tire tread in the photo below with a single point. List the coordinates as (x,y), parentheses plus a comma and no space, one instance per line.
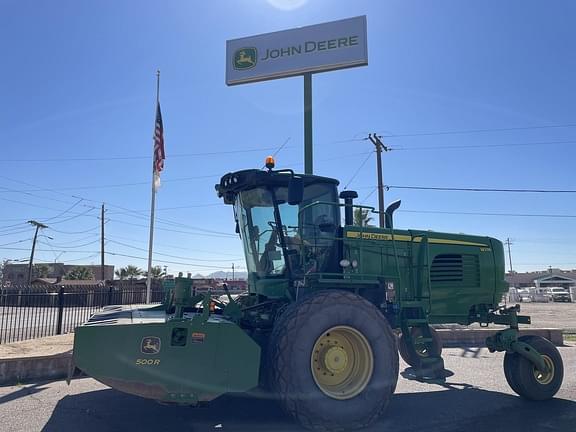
(518,370)
(287,325)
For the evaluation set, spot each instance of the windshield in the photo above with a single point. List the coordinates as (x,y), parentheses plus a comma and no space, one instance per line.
(306,229)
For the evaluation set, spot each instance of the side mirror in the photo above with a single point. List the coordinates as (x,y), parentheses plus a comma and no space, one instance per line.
(295,190)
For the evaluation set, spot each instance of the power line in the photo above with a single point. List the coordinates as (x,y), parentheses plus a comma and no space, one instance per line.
(75,216)
(122,158)
(90,236)
(176,247)
(481,189)
(14,227)
(81,259)
(374,189)
(15,232)
(483,146)
(138,214)
(491,214)
(71,247)
(472,131)
(49,250)
(173,223)
(29,193)
(359,168)
(168,262)
(15,242)
(169,208)
(173,230)
(75,232)
(171,256)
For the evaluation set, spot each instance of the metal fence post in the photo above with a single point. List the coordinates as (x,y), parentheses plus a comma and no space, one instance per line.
(109,295)
(60,311)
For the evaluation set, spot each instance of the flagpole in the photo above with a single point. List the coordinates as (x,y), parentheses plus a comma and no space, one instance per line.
(152,208)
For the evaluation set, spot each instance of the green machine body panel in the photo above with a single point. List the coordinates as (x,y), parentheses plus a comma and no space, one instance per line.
(141,351)
(449,275)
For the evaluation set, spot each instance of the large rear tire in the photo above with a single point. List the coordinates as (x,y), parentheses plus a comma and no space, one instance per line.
(334,361)
(413,355)
(526,380)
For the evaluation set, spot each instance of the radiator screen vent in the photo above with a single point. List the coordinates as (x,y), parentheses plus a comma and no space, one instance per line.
(455,270)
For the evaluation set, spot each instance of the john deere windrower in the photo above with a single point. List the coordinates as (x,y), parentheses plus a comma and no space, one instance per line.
(330,304)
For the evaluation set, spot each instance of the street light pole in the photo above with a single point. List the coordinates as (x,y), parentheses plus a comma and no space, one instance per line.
(38,225)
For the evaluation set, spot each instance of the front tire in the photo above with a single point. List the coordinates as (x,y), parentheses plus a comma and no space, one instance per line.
(414,355)
(526,380)
(334,361)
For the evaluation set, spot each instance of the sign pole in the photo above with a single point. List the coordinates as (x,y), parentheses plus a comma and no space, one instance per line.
(308,153)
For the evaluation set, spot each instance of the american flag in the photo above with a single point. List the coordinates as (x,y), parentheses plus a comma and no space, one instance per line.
(159,155)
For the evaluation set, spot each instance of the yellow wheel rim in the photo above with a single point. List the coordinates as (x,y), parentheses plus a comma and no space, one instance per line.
(342,362)
(545,378)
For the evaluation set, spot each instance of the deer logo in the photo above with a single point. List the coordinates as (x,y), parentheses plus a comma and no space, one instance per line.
(150,345)
(245,58)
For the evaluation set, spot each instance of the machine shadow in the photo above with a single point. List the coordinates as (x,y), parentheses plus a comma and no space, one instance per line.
(467,409)
(24,391)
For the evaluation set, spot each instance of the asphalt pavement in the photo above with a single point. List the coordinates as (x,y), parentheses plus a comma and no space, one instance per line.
(476,399)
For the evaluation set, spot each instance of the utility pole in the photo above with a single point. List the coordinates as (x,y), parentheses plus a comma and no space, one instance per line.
(375,139)
(509,243)
(102,243)
(38,225)
(233,271)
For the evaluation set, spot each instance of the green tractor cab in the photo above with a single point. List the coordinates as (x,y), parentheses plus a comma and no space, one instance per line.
(330,305)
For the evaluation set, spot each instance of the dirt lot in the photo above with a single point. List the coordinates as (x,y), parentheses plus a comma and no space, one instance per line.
(544,315)
(551,315)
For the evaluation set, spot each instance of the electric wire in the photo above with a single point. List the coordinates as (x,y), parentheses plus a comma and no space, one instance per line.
(359,168)
(473,131)
(561,216)
(482,146)
(172,262)
(122,158)
(457,189)
(175,247)
(172,256)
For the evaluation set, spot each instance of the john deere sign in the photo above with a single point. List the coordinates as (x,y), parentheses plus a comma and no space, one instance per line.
(317,48)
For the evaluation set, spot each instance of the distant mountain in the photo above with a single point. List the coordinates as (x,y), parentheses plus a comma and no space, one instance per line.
(239,275)
(228,275)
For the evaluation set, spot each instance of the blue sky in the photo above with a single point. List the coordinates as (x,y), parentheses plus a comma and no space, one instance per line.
(78,83)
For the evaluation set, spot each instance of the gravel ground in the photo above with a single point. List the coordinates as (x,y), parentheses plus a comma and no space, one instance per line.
(543,315)
(551,315)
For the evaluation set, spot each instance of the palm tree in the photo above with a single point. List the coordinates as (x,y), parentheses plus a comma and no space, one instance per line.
(361,217)
(132,271)
(156,272)
(120,273)
(80,273)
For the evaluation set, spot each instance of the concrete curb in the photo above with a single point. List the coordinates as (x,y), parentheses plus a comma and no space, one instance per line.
(31,368)
(456,338)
